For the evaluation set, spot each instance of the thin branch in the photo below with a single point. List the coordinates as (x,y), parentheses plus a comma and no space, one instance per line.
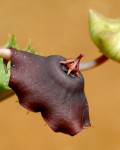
(5,53)
(93,63)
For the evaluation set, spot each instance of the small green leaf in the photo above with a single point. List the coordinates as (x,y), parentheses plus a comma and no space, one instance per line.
(5,91)
(7,44)
(4,79)
(11,42)
(28,47)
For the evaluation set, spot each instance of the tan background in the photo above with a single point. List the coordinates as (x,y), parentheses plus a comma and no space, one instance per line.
(61,27)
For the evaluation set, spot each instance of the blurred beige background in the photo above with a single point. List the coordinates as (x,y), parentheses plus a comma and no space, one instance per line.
(61,27)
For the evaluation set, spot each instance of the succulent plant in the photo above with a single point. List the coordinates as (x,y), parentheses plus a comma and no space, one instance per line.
(51,85)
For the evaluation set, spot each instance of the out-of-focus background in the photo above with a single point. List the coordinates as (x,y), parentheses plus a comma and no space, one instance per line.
(61,27)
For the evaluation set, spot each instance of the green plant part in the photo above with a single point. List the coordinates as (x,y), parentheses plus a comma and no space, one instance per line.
(5,91)
(106,34)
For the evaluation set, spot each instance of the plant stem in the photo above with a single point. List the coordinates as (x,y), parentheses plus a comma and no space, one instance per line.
(93,63)
(6,54)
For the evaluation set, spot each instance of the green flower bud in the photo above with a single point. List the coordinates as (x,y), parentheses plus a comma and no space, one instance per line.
(106,34)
